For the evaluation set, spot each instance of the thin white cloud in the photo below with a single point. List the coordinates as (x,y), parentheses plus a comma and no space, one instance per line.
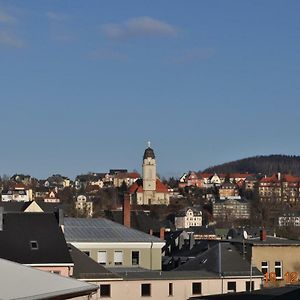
(9,39)
(196,54)
(108,54)
(55,16)
(139,27)
(6,18)
(59,27)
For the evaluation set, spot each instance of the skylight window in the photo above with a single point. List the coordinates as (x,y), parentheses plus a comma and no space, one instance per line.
(34,245)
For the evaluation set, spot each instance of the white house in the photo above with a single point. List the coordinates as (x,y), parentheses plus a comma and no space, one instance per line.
(188,217)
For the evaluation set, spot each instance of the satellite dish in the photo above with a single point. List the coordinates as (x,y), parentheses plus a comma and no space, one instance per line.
(245,234)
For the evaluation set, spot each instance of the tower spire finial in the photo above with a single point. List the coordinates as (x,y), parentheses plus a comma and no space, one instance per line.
(149,144)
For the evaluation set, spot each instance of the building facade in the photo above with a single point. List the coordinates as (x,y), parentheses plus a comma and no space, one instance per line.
(188,217)
(231,209)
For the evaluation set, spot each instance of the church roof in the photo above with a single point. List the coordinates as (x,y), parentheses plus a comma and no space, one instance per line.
(137,187)
(149,153)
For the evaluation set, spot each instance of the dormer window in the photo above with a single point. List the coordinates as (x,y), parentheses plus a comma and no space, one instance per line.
(34,245)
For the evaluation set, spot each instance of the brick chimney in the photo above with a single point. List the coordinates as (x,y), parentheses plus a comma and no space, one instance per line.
(263,234)
(162,233)
(126,210)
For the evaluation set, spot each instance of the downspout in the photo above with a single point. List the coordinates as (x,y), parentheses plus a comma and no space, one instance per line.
(220,267)
(151,247)
(251,275)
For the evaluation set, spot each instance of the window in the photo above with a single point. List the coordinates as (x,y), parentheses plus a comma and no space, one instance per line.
(146,289)
(170,289)
(135,258)
(197,289)
(264,267)
(104,290)
(248,286)
(278,269)
(102,257)
(34,245)
(231,286)
(118,258)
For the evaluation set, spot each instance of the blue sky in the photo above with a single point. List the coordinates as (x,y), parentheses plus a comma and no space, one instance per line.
(85,84)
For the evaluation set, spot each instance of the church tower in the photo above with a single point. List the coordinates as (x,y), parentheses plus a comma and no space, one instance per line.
(149,170)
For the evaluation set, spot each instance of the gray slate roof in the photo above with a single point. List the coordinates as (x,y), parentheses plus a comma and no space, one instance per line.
(20,229)
(222,259)
(103,230)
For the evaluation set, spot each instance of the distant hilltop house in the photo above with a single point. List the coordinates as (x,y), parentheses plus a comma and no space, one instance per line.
(21,178)
(100,180)
(57,181)
(52,197)
(207,180)
(229,190)
(129,178)
(188,217)
(83,206)
(18,192)
(149,190)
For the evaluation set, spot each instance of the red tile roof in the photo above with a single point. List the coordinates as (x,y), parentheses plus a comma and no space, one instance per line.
(137,187)
(284,178)
(270,179)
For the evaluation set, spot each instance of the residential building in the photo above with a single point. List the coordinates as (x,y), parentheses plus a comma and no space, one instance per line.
(19,192)
(52,197)
(127,178)
(208,180)
(291,292)
(250,183)
(114,245)
(278,257)
(289,219)
(57,181)
(36,240)
(283,188)
(220,270)
(228,190)
(83,206)
(231,209)
(188,217)
(21,178)
(94,179)
(40,192)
